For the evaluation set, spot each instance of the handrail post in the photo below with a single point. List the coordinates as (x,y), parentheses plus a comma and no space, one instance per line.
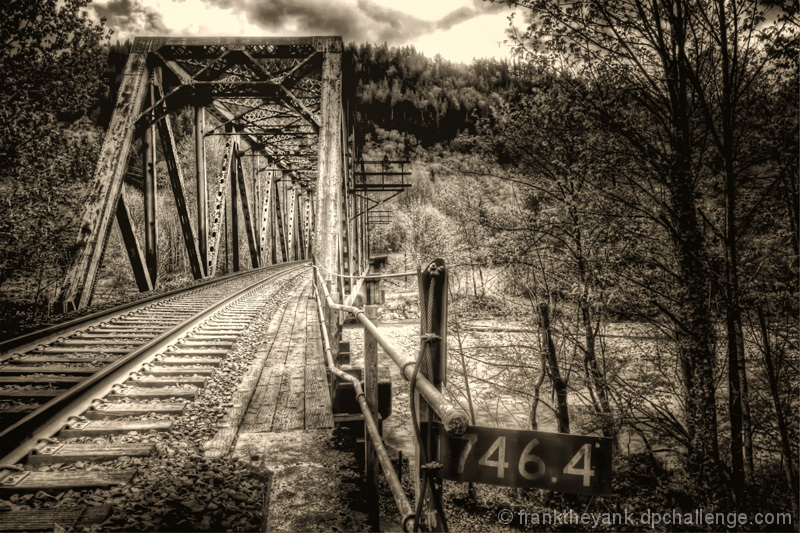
(371,395)
(333,322)
(433,328)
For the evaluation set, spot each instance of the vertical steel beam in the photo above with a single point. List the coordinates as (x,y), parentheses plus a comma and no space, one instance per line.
(234,178)
(219,219)
(347,250)
(371,462)
(352,254)
(433,346)
(284,194)
(202,186)
(327,235)
(330,166)
(307,225)
(279,216)
(248,221)
(266,223)
(273,217)
(149,175)
(312,227)
(137,258)
(290,232)
(257,202)
(300,230)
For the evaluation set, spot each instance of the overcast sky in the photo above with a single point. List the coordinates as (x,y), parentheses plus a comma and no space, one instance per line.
(457,29)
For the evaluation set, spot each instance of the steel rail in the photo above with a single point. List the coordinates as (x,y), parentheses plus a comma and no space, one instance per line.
(454,418)
(400,498)
(52,333)
(48,418)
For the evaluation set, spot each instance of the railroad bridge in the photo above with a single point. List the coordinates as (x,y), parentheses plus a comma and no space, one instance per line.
(252,363)
(286,114)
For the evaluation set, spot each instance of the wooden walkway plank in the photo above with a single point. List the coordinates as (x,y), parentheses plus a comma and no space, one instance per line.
(188,359)
(147,393)
(105,411)
(99,452)
(95,428)
(49,482)
(55,359)
(16,370)
(30,394)
(262,411)
(60,381)
(228,428)
(292,392)
(290,411)
(161,381)
(319,414)
(76,517)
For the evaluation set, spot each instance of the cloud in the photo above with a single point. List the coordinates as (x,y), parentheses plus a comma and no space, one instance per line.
(130,16)
(354,20)
(364,20)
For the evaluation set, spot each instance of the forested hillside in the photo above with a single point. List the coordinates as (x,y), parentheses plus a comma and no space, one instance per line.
(431,99)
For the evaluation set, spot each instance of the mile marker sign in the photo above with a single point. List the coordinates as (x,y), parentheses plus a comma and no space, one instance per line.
(528,459)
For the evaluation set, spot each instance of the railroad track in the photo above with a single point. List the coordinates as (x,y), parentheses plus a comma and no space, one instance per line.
(134,371)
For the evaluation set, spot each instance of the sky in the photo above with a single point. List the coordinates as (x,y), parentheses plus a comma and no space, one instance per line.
(459,30)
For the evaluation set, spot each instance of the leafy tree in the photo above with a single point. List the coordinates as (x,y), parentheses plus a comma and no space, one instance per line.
(675,84)
(556,160)
(52,59)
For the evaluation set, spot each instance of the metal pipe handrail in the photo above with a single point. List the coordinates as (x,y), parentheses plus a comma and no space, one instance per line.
(400,498)
(392,275)
(453,417)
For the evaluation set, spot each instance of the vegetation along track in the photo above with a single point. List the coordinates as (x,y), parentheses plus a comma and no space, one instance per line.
(163,347)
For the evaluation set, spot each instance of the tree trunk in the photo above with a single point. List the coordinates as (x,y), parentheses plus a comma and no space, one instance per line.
(537,388)
(594,377)
(735,408)
(695,337)
(559,385)
(747,426)
(783,433)
(728,69)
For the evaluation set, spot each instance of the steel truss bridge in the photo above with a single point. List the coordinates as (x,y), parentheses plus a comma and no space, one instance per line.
(280,107)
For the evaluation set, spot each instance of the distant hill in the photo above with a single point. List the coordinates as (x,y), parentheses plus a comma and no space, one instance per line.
(399,88)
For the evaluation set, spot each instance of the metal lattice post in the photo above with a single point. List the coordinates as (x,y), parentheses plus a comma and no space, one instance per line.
(371,464)
(266,223)
(290,233)
(150,191)
(202,185)
(433,346)
(234,180)
(219,218)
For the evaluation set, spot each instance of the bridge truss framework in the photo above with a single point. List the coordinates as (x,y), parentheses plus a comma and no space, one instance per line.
(278,101)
